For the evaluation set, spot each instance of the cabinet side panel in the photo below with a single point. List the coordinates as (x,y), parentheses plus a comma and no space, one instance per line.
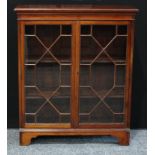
(21,72)
(130,49)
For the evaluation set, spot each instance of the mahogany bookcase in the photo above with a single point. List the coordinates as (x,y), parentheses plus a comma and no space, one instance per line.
(75,70)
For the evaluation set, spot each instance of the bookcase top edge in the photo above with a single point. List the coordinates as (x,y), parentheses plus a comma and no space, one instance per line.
(75,8)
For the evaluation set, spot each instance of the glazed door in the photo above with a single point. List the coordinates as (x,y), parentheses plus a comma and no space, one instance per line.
(103,66)
(48,73)
(75,74)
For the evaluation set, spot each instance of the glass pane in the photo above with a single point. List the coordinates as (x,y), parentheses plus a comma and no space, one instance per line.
(102,73)
(117,48)
(103,34)
(30,30)
(85,29)
(89,53)
(33,49)
(61,50)
(122,29)
(66,29)
(48,34)
(65,75)
(47,73)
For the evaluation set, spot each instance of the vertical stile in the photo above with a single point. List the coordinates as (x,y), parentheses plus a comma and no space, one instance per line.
(75,74)
(130,45)
(21,72)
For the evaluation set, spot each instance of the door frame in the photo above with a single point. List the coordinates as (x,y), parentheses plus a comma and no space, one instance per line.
(75,54)
(21,73)
(128,76)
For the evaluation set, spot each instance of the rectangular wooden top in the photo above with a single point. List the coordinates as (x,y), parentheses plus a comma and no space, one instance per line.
(75,8)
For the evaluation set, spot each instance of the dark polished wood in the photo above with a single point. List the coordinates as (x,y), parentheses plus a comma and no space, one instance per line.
(119,23)
(75,8)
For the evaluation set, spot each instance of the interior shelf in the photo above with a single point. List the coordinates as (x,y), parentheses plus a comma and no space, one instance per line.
(105,60)
(86,97)
(117,92)
(86,60)
(39,97)
(60,59)
(113,94)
